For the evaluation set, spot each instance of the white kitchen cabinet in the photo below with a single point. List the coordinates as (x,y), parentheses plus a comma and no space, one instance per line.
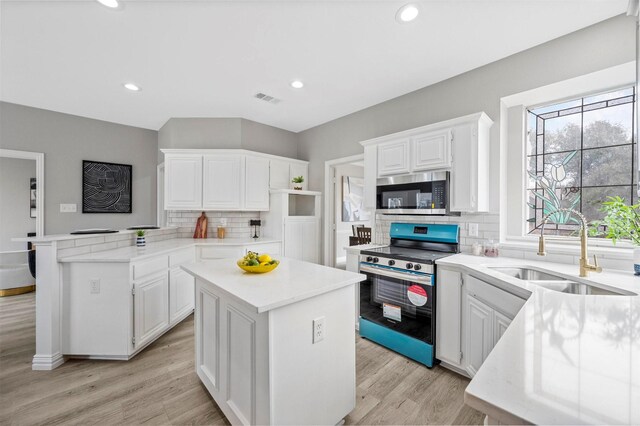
(431,151)
(279,174)
(298,169)
(393,157)
(470,168)
(301,237)
(181,295)
(479,333)
(449,317)
(183,182)
(500,324)
(223,181)
(256,185)
(151,309)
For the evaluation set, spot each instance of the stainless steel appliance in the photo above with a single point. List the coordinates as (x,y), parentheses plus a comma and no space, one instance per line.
(398,298)
(422,193)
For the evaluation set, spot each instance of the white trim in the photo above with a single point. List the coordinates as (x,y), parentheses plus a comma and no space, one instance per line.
(329,197)
(232,151)
(39,159)
(160,211)
(512,154)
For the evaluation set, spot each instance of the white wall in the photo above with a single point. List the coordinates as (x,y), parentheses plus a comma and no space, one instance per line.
(15,220)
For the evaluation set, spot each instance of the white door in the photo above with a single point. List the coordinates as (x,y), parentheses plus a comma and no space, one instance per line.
(431,151)
(297,169)
(500,324)
(479,333)
(301,239)
(393,158)
(279,177)
(449,314)
(183,182)
(181,294)
(256,193)
(223,182)
(151,304)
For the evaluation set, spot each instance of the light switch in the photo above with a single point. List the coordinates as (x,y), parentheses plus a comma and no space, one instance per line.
(473,229)
(68,208)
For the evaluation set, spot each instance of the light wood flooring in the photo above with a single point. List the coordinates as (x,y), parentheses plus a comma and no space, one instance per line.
(159,385)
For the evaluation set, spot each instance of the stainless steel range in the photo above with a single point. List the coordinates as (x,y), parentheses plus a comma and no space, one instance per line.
(398,299)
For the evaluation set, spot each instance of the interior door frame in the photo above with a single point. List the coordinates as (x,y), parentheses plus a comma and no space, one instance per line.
(39,159)
(161,213)
(329,252)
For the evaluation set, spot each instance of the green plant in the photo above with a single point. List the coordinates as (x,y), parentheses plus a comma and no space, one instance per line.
(621,222)
(140,233)
(298,179)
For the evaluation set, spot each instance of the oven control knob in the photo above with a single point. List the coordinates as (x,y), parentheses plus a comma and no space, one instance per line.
(392,262)
(375,260)
(369,258)
(409,265)
(417,267)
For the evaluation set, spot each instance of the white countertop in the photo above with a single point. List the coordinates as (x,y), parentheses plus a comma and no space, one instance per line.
(292,281)
(133,253)
(565,359)
(359,248)
(63,237)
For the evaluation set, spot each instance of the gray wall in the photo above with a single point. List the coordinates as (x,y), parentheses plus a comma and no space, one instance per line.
(66,140)
(226,133)
(15,220)
(600,46)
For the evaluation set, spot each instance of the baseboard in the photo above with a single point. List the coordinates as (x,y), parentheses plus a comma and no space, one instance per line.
(17,290)
(47,362)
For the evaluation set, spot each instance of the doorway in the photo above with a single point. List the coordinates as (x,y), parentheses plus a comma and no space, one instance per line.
(344,187)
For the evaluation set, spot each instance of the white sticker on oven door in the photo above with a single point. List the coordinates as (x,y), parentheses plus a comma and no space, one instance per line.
(392,312)
(417,295)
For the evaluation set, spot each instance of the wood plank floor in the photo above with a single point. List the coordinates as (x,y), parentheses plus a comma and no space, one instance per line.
(159,386)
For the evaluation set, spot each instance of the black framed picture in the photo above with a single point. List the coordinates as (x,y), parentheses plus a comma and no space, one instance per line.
(106,187)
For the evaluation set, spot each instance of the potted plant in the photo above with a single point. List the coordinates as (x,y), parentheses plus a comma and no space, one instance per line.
(140,240)
(621,222)
(297,182)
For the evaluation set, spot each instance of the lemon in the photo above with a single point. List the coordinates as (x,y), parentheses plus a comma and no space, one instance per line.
(264,258)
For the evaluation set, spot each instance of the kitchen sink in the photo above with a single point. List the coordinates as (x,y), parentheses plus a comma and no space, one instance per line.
(580,288)
(526,274)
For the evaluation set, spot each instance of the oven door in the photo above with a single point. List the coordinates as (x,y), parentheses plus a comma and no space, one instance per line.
(399,301)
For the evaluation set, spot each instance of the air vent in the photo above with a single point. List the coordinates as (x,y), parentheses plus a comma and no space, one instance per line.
(267,98)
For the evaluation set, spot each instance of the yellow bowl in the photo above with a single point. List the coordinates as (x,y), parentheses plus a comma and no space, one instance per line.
(259,269)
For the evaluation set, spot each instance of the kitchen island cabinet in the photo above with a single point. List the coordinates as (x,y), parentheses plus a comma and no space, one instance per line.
(276,348)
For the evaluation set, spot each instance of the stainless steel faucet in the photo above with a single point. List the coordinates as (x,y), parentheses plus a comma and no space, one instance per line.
(585,266)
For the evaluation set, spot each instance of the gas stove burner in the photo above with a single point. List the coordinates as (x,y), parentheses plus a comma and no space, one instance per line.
(406,254)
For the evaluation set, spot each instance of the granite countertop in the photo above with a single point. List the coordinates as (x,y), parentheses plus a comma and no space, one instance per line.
(133,253)
(565,359)
(292,281)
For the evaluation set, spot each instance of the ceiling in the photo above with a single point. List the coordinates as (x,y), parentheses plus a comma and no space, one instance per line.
(209,58)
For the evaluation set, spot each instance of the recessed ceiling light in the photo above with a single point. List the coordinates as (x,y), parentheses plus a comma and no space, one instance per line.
(131,86)
(113,4)
(297,84)
(407,13)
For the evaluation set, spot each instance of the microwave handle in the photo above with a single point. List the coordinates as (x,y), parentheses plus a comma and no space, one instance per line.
(421,279)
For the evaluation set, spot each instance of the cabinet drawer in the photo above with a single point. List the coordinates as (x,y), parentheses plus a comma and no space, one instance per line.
(181,257)
(209,253)
(498,299)
(149,267)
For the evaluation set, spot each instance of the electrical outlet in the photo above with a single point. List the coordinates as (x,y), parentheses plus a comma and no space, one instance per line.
(318,329)
(473,229)
(95,286)
(68,208)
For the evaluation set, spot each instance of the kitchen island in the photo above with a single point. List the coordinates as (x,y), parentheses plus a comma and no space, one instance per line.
(276,348)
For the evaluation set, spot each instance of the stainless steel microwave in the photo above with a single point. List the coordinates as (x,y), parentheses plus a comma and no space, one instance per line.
(420,193)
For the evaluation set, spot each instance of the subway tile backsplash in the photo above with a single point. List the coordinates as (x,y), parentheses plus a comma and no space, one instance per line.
(237,223)
(488,227)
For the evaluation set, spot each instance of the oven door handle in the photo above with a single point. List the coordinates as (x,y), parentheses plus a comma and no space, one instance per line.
(422,279)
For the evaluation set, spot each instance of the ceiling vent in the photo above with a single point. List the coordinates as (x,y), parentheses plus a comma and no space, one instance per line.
(267,98)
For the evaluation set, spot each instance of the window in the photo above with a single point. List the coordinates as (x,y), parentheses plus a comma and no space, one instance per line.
(578,153)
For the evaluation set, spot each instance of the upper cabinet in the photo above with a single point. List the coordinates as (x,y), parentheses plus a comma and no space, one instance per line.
(431,151)
(226,179)
(460,145)
(393,157)
(183,191)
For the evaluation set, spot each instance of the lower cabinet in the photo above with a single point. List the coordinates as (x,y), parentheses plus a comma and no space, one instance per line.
(472,316)
(302,237)
(181,295)
(151,309)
